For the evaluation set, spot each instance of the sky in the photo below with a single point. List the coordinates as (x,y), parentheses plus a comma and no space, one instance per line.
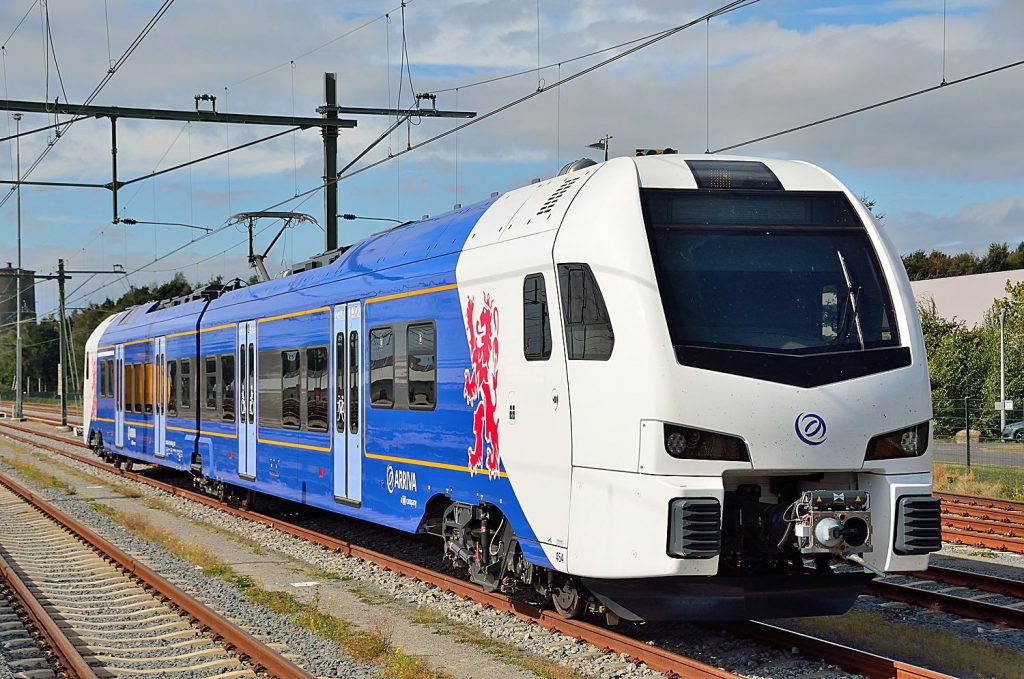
(944,167)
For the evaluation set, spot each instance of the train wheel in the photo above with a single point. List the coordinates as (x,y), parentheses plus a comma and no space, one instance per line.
(129,465)
(222,492)
(567,600)
(118,462)
(249,500)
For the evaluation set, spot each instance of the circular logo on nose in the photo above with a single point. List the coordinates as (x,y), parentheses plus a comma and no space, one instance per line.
(810,428)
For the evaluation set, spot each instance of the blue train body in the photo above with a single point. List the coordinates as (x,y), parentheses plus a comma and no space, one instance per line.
(403,275)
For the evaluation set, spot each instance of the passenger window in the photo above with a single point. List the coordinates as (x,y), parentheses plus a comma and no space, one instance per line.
(422,355)
(147,387)
(536,321)
(316,389)
(382,368)
(227,375)
(103,379)
(186,384)
(140,387)
(129,387)
(291,410)
(339,381)
(172,388)
(588,329)
(353,382)
(210,402)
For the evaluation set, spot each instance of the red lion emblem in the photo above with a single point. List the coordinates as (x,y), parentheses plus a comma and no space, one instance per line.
(482,385)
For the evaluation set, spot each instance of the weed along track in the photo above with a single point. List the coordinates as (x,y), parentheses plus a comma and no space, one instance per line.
(103,614)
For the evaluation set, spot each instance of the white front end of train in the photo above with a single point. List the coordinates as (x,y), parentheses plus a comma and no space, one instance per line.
(747,388)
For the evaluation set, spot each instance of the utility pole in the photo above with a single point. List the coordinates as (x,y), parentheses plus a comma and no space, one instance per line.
(63,348)
(1002,372)
(19,398)
(330,134)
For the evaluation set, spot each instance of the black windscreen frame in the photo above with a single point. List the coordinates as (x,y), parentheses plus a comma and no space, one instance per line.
(742,211)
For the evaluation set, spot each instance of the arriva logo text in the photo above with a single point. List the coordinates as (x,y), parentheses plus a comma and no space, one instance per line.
(400,479)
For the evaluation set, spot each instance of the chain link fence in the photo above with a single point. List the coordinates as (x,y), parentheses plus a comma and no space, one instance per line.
(969,432)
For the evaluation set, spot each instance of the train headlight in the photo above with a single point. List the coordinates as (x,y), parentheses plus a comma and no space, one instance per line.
(909,442)
(685,443)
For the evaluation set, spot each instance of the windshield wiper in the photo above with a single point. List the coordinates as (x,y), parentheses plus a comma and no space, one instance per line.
(852,292)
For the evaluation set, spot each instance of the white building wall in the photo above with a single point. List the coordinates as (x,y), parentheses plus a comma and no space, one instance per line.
(965,298)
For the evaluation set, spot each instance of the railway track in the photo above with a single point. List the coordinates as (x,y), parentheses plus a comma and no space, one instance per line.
(656,658)
(100,613)
(985,523)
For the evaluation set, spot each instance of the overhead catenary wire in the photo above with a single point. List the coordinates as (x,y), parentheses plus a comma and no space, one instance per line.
(306,195)
(558,64)
(166,5)
(727,7)
(316,49)
(20,22)
(869,107)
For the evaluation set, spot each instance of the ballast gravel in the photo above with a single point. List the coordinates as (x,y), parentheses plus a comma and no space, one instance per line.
(317,655)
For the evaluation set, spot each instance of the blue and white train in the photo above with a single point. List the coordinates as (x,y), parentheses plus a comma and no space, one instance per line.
(663,387)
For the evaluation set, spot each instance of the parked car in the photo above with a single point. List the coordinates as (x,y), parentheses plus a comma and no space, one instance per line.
(1013,431)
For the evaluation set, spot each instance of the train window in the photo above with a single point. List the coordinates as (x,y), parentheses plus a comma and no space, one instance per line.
(339,382)
(227,373)
(536,320)
(172,388)
(102,379)
(353,383)
(147,387)
(291,411)
(210,401)
(382,368)
(186,384)
(129,387)
(422,355)
(87,358)
(106,379)
(317,383)
(140,387)
(588,329)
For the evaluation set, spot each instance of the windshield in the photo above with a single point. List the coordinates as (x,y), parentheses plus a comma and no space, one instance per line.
(785,273)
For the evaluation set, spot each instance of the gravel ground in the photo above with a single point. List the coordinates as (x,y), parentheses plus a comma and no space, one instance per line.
(15,647)
(317,655)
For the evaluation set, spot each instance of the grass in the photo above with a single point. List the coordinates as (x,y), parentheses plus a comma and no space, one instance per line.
(37,475)
(499,650)
(951,652)
(119,488)
(999,482)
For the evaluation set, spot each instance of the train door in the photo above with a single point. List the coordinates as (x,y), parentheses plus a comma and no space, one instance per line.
(119,396)
(247,399)
(160,396)
(348,406)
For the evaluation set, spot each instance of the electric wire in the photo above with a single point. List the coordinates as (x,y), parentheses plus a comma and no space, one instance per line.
(96,90)
(870,107)
(318,48)
(728,7)
(53,51)
(610,48)
(20,22)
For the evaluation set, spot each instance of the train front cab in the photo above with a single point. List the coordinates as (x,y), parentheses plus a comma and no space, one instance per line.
(691,459)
